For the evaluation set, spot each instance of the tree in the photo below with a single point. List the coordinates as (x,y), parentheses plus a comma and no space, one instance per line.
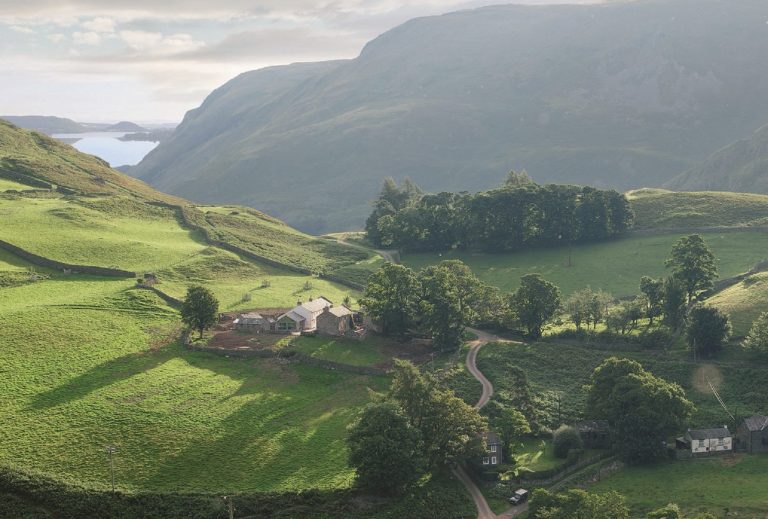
(658,408)
(577,504)
(441,307)
(200,309)
(694,264)
(653,289)
(565,439)
(391,297)
(597,303)
(673,305)
(385,449)
(672,511)
(512,425)
(515,179)
(708,329)
(450,428)
(757,338)
(624,317)
(535,303)
(577,306)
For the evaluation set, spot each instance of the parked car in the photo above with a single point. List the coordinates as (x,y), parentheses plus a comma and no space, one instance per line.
(520,496)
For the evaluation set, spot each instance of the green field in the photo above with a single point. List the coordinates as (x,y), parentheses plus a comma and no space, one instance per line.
(6,185)
(744,302)
(89,362)
(615,266)
(659,209)
(369,352)
(537,454)
(726,487)
(109,233)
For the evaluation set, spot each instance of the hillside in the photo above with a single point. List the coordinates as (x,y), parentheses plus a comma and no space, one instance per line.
(124,126)
(45,123)
(620,95)
(741,166)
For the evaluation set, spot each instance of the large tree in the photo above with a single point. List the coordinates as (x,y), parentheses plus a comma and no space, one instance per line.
(642,408)
(385,449)
(391,297)
(450,428)
(200,309)
(535,303)
(673,305)
(653,289)
(441,307)
(693,263)
(708,330)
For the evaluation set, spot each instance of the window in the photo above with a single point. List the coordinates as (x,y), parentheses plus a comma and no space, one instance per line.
(720,442)
(486,461)
(493,448)
(493,460)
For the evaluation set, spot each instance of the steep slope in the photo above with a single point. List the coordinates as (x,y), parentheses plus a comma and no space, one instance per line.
(741,166)
(625,94)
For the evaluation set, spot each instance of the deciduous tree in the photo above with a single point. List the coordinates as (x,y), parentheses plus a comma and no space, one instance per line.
(391,297)
(200,309)
(693,264)
(535,303)
(577,504)
(673,305)
(757,338)
(708,329)
(385,449)
(653,289)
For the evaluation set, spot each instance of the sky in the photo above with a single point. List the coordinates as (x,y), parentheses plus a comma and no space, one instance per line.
(150,61)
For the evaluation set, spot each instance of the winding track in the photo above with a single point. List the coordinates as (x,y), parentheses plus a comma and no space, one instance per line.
(483,510)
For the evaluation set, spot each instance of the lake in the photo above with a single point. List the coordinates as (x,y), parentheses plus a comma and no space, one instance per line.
(109,147)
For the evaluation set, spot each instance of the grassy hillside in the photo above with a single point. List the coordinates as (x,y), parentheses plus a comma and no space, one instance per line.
(615,266)
(744,302)
(43,158)
(658,209)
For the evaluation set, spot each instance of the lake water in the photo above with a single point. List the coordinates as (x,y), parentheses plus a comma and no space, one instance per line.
(109,147)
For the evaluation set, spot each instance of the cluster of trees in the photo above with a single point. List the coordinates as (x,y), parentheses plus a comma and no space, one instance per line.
(416,428)
(578,504)
(440,300)
(518,215)
(659,408)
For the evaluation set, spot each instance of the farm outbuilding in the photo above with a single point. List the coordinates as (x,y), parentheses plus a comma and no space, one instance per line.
(752,434)
(335,321)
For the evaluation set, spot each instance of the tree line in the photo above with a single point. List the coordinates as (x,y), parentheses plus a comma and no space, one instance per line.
(516,216)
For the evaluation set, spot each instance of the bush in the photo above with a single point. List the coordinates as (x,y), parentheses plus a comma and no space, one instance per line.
(564,440)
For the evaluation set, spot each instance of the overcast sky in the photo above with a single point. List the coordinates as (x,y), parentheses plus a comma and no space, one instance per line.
(152,60)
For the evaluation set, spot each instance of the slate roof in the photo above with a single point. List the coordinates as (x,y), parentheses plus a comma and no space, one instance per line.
(316,305)
(251,315)
(293,316)
(340,311)
(708,434)
(756,423)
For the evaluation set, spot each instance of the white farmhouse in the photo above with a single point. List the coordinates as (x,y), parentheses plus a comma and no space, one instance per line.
(702,442)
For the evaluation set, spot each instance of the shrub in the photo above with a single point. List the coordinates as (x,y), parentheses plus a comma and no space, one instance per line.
(564,440)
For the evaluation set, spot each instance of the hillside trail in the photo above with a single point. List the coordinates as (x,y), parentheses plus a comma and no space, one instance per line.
(483,510)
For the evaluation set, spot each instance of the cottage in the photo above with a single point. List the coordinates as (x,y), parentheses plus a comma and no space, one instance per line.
(595,434)
(335,321)
(703,442)
(752,434)
(250,322)
(494,455)
(290,322)
(303,318)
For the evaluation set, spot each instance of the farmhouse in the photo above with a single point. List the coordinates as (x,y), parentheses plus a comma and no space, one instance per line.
(752,434)
(595,434)
(704,442)
(303,318)
(494,450)
(335,321)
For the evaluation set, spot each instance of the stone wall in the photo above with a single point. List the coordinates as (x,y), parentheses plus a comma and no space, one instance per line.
(58,265)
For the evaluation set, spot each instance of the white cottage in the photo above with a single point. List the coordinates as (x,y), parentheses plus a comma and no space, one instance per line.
(702,442)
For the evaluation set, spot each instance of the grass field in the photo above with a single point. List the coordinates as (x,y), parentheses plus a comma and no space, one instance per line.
(6,184)
(537,454)
(744,302)
(369,352)
(136,237)
(660,209)
(727,487)
(615,266)
(89,362)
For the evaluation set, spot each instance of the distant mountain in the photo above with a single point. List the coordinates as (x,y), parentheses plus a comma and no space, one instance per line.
(742,166)
(625,94)
(124,126)
(45,123)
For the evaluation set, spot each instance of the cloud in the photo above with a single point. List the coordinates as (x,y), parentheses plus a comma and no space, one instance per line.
(22,29)
(157,44)
(57,37)
(100,24)
(86,38)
